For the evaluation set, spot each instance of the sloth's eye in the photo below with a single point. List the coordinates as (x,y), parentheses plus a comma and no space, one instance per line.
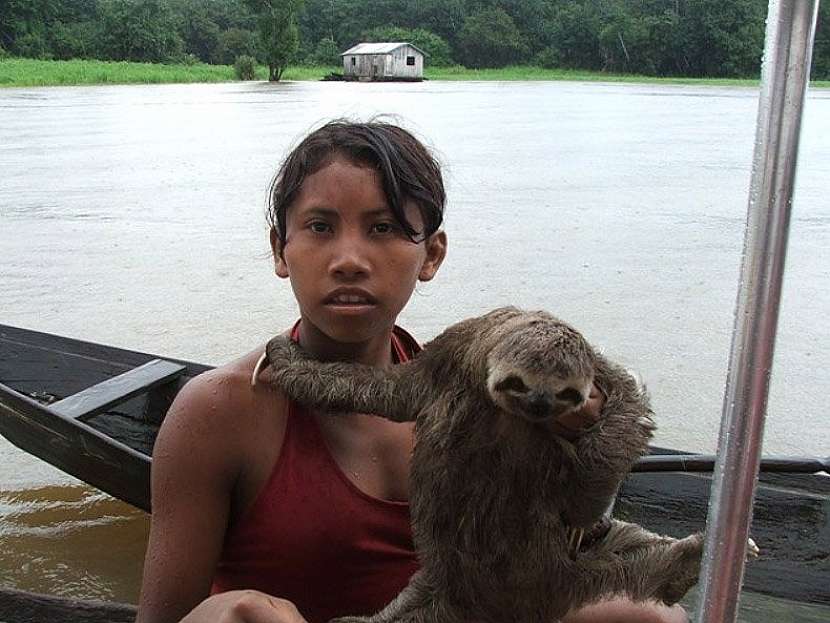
(569,395)
(512,383)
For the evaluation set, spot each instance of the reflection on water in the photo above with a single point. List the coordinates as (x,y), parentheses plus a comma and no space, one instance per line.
(73,541)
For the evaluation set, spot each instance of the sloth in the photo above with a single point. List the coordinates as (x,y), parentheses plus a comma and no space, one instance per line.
(501,502)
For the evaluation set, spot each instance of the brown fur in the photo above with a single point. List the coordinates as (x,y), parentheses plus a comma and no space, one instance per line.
(496,495)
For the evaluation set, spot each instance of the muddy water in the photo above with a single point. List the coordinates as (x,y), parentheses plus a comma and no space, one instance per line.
(71,540)
(133,216)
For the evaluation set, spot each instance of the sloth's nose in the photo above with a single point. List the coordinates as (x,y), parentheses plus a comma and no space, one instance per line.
(539,402)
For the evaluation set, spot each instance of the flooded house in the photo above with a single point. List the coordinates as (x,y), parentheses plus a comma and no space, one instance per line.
(383,62)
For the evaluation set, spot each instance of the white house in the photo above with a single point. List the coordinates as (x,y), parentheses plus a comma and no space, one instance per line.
(383,61)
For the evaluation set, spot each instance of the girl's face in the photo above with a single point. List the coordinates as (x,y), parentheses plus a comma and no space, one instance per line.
(351,266)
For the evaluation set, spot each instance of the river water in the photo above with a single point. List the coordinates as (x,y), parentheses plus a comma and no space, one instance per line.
(134,216)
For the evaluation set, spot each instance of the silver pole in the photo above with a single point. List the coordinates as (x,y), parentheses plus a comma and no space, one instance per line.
(784,76)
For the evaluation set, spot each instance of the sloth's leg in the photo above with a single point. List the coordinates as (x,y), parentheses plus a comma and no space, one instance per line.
(633,561)
(645,565)
(345,387)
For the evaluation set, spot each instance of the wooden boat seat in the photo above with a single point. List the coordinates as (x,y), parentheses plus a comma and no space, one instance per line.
(98,398)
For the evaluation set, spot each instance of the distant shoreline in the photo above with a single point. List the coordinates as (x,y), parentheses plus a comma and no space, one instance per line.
(20,72)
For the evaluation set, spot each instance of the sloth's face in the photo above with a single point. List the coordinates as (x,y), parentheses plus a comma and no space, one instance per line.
(541,371)
(537,398)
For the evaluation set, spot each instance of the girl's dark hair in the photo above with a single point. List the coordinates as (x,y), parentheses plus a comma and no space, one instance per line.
(407,169)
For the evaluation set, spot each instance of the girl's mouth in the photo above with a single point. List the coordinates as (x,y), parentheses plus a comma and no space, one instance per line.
(350,299)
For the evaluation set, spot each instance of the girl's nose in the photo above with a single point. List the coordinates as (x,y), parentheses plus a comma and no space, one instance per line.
(349,261)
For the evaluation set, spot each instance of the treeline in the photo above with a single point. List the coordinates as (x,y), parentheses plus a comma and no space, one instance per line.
(210,31)
(698,38)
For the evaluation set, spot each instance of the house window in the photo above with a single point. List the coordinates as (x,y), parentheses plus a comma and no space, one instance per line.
(354,61)
(410,60)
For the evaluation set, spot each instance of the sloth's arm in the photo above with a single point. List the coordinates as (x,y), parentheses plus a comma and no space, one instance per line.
(606,452)
(598,471)
(345,387)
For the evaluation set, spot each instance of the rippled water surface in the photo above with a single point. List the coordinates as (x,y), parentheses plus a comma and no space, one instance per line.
(71,541)
(133,216)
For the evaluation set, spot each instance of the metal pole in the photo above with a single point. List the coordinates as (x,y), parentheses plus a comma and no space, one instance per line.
(784,76)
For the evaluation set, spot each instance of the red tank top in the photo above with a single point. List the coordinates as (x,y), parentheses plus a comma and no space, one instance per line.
(312,537)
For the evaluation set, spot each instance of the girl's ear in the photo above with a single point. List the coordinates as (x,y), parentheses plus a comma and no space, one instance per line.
(280,267)
(436,246)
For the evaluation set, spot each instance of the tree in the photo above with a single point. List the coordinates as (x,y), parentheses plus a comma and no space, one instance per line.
(821,51)
(236,42)
(326,52)
(75,40)
(200,34)
(640,39)
(490,38)
(23,26)
(530,17)
(723,38)
(321,19)
(202,24)
(278,32)
(573,34)
(139,30)
(32,45)
(445,18)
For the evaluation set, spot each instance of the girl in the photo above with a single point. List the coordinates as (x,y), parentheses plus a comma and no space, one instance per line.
(281,515)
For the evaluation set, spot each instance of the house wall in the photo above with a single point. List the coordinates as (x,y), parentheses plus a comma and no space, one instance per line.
(364,64)
(398,68)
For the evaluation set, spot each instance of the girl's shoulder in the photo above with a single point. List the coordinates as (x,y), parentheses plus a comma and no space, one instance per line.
(219,411)
(227,389)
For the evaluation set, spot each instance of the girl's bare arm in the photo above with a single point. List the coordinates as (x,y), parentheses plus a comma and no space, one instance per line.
(195,464)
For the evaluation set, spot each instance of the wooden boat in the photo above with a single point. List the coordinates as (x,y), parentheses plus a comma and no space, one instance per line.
(90,410)
(94,412)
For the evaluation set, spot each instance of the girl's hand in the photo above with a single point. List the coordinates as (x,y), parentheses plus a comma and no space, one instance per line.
(244,607)
(572,424)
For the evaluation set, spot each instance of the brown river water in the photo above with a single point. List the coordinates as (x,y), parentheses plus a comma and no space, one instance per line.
(133,216)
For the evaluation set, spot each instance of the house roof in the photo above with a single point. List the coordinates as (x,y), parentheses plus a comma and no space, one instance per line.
(378,48)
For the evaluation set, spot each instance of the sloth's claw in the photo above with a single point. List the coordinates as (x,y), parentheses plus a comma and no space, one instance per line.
(575,536)
(752,550)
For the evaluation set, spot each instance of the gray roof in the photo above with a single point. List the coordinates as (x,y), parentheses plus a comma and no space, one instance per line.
(378,48)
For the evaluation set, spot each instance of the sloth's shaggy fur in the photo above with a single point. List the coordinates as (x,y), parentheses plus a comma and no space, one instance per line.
(499,500)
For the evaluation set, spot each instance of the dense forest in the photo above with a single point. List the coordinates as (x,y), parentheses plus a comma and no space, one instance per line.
(698,38)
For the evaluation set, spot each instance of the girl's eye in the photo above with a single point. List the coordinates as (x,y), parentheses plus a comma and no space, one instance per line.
(319,227)
(383,228)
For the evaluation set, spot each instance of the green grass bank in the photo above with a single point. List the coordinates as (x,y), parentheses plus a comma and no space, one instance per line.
(578,75)
(23,72)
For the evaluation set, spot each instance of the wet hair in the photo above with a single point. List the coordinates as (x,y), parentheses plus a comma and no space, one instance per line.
(407,169)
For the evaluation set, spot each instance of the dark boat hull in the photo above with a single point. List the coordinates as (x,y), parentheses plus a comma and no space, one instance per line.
(111,451)
(24,607)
